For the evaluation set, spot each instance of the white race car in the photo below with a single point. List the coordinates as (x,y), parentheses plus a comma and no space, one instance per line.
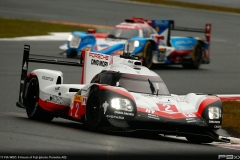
(118,94)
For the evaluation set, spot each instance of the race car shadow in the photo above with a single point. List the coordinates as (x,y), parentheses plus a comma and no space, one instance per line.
(75,126)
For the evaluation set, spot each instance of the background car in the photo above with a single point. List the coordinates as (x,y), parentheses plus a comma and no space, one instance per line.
(151,40)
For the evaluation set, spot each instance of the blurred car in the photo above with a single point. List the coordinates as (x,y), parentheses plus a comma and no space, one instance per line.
(151,40)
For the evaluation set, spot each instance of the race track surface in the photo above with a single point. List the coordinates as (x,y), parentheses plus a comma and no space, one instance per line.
(19,135)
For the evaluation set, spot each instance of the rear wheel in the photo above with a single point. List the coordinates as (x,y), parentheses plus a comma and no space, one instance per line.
(197,58)
(94,110)
(31,102)
(148,55)
(198,139)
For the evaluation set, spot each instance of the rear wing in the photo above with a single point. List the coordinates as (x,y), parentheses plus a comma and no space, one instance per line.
(27,57)
(164,27)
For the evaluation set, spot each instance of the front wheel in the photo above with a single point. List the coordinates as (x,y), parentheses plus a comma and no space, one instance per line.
(31,102)
(94,110)
(148,55)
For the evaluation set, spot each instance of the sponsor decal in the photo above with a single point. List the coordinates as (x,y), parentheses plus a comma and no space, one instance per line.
(189,115)
(150,111)
(99,56)
(101,47)
(57,88)
(105,106)
(217,126)
(84,100)
(124,113)
(190,120)
(126,26)
(214,121)
(114,117)
(129,61)
(99,63)
(77,98)
(55,99)
(153,116)
(25,66)
(47,78)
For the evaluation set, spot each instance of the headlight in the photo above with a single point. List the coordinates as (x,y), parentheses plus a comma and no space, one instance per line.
(74,41)
(214,113)
(70,37)
(121,104)
(130,46)
(136,43)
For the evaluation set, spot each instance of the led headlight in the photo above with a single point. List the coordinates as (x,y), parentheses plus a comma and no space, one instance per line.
(121,104)
(136,44)
(74,41)
(130,46)
(214,113)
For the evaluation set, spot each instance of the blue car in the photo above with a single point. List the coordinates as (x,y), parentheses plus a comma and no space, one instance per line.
(150,40)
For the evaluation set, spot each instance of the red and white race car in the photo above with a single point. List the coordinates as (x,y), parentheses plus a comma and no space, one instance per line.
(118,94)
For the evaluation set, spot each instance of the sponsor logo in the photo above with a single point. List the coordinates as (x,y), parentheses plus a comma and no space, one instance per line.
(101,47)
(25,66)
(57,88)
(77,98)
(114,117)
(99,56)
(55,99)
(217,126)
(214,121)
(47,78)
(105,106)
(124,113)
(150,111)
(153,116)
(129,61)
(189,115)
(99,63)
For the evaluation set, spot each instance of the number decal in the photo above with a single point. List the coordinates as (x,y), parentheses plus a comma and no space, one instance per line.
(76,112)
(167,107)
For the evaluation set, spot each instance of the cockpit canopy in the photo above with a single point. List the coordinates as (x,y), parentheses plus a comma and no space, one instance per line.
(132,82)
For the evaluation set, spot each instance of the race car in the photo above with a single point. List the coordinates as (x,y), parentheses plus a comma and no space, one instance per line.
(117,93)
(148,39)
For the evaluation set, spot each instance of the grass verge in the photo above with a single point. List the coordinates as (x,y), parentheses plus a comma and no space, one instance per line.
(191,5)
(231,117)
(18,28)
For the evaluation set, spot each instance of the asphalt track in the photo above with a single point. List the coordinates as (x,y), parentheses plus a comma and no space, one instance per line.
(20,136)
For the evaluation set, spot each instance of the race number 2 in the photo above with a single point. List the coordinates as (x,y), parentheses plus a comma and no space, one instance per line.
(167,107)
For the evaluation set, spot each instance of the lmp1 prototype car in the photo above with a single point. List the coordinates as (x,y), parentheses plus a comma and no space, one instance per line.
(118,94)
(148,39)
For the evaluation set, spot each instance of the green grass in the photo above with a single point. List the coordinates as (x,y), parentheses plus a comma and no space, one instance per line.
(191,5)
(231,117)
(18,28)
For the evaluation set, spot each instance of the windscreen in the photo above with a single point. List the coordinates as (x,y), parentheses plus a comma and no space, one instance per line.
(141,84)
(123,33)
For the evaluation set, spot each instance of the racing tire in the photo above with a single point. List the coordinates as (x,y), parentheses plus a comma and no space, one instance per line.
(196,59)
(94,110)
(148,55)
(199,140)
(30,101)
